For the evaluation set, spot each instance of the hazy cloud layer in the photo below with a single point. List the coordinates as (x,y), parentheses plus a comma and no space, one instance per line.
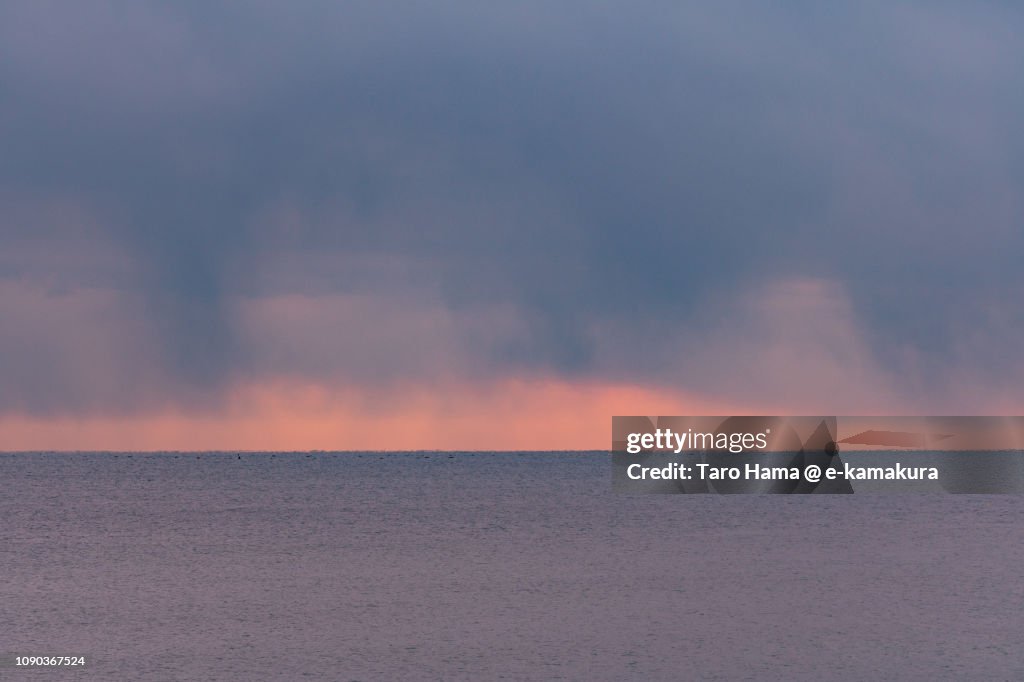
(724,197)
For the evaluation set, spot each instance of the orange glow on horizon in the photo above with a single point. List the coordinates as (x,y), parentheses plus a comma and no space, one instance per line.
(506,415)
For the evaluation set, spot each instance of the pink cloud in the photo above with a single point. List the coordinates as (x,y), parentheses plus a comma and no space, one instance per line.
(541,414)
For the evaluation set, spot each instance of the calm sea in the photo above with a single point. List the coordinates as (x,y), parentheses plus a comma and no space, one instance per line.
(477,566)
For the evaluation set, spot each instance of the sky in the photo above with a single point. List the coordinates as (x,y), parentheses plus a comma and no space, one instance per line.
(455,224)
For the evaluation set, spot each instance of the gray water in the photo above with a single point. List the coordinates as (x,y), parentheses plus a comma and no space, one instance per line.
(490,566)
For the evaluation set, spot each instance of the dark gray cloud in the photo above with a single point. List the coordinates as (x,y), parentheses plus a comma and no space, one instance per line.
(581,167)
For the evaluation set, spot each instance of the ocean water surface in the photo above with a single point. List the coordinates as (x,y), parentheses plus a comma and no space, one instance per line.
(370,566)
